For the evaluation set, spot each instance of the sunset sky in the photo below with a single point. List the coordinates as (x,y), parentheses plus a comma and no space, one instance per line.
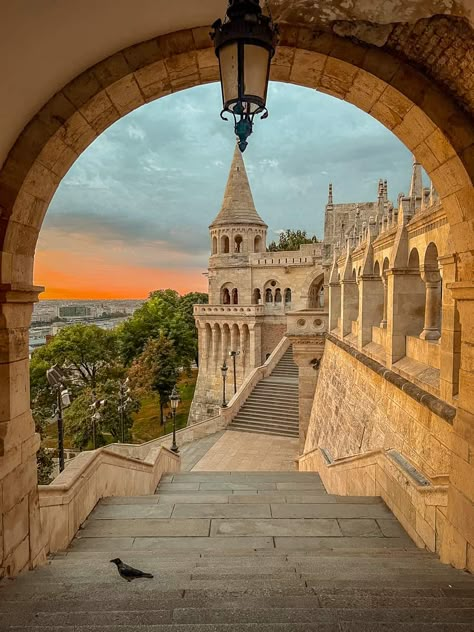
(132,214)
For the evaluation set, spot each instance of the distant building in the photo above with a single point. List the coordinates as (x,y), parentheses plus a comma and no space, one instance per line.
(75,311)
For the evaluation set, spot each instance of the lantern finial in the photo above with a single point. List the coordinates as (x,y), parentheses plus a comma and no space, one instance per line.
(245,44)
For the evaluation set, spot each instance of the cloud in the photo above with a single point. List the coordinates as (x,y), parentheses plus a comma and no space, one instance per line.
(154,181)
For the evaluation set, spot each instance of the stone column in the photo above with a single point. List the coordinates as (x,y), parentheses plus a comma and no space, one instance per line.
(383,323)
(451,339)
(21,541)
(215,347)
(432,280)
(405,296)
(370,306)
(255,345)
(243,349)
(307,354)
(349,305)
(334,305)
(457,547)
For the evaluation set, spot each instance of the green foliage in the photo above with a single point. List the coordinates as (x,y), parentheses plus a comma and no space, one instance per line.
(78,417)
(292,240)
(45,463)
(165,313)
(156,369)
(89,351)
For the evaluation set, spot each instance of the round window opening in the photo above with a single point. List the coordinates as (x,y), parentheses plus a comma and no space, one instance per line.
(318,322)
(273,283)
(301,322)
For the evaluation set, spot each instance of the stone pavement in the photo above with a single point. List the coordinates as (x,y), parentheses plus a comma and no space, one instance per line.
(245,451)
(241,552)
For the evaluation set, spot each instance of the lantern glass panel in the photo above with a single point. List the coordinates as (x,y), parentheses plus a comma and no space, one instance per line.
(256,62)
(229,64)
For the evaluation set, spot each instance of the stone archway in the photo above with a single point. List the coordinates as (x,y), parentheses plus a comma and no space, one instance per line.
(432,124)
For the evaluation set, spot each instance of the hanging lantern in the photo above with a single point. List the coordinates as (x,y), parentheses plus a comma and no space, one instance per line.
(245,44)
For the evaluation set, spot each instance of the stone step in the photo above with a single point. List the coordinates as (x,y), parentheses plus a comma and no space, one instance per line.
(268,418)
(275,413)
(249,428)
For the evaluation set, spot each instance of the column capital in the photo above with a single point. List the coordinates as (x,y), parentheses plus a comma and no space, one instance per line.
(462,290)
(14,293)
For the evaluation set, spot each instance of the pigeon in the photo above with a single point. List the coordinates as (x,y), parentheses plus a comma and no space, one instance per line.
(129,573)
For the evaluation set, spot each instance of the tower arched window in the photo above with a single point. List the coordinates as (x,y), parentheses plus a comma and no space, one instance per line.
(225,296)
(214,245)
(238,243)
(225,244)
(235,296)
(256,296)
(257,244)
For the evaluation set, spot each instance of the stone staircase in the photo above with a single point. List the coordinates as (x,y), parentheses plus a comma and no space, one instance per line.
(272,407)
(241,552)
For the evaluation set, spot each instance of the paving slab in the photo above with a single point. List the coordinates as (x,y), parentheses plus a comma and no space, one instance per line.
(275,527)
(330,510)
(142,528)
(391,528)
(131,512)
(222,511)
(359,527)
(201,544)
(344,543)
(236,485)
(170,498)
(129,500)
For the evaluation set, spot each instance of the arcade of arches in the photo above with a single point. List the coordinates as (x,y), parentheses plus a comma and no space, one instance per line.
(396,70)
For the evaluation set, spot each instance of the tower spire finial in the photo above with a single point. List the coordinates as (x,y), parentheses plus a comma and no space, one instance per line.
(416,185)
(330,196)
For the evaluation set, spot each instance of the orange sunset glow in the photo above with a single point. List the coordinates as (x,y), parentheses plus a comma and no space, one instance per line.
(67,276)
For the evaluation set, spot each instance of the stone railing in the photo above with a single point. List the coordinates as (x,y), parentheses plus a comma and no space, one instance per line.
(115,470)
(419,503)
(229,310)
(226,415)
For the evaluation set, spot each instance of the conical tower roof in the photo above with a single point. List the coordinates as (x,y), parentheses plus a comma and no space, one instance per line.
(238,206)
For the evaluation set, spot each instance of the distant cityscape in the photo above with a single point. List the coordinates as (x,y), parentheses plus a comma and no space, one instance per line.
(50,316)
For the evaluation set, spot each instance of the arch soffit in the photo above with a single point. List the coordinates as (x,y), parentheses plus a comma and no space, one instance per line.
(311,277)
(425,119)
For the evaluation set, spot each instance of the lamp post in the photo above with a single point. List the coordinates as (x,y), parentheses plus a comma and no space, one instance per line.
(224,369)
(233,355)
(174,402)
(124,400)
(95,407)
(56,378)
(245,43)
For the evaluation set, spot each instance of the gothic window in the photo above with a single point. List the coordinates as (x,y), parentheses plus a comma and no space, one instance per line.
(235,296)
(278,295)
(287,296)
(256,296)
(225,297)
(321,297)
(314,293)
(268,296)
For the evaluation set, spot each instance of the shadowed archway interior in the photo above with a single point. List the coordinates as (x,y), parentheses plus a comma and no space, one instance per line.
(435,124)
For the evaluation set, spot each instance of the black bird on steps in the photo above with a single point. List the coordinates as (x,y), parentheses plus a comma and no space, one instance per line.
(129,573)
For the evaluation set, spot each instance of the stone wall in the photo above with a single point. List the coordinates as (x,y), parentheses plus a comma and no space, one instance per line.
(357,410)
(271,336)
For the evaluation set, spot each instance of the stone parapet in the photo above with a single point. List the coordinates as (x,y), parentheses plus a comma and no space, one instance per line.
(117,470)
(232,311)
(418,502)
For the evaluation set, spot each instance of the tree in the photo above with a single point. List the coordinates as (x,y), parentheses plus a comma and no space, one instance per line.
(186,306)
(292,240)
(42,403)
(78,417)
(156,369)
(165,313)
(91,353)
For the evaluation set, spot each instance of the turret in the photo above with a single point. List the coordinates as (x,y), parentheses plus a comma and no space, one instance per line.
(238,228)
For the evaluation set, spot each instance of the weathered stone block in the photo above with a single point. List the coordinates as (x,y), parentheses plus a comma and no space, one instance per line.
(15,525)
(125,95)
